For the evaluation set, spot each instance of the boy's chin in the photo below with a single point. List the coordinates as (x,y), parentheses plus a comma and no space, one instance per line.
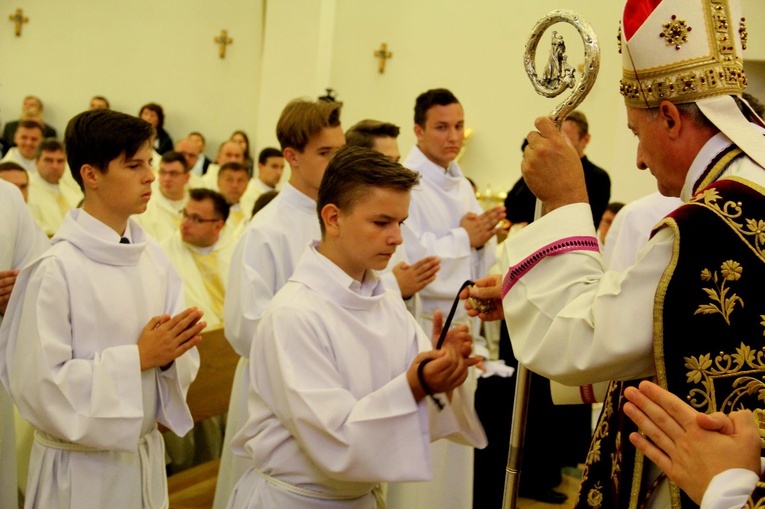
(379,265)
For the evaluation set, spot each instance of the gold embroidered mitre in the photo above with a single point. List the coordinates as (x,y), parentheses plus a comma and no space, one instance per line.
(681,50)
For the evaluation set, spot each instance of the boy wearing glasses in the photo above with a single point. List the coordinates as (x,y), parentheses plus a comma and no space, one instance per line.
(96,347)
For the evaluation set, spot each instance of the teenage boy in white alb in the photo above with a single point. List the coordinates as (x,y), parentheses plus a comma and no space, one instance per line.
(336,405)
(96,348)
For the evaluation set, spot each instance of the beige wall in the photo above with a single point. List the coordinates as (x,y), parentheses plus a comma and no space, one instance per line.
(133,53)
(162,50)
(476,50)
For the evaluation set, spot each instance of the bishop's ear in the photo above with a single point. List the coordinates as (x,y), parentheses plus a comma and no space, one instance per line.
(671,118)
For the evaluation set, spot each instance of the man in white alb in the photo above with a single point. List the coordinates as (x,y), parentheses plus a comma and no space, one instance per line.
(201,255)
(27,136)
(228,152)
(21,241)
(233,181)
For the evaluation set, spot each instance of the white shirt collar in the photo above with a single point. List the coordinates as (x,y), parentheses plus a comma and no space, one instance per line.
(101,230)
(365,288)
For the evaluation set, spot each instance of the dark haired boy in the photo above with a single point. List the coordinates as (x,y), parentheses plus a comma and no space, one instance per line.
(92,346)
(336,406)
(270,169)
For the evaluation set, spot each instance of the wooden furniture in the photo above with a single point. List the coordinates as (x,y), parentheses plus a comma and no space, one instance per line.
(208,396)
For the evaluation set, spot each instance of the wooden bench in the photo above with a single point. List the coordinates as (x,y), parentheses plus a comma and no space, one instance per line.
(208,396)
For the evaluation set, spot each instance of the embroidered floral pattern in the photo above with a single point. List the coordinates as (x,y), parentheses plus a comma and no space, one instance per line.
(746,364)
(757,228)
(616,460)
(729,271)
(759,416)
(593,455)
(595,497)
(731,212)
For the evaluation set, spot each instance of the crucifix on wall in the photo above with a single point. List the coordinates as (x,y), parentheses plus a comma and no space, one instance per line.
(383,54)
(222,41)
(18,19)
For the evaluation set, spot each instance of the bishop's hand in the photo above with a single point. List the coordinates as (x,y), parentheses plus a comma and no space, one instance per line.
(551,167)
(489,290)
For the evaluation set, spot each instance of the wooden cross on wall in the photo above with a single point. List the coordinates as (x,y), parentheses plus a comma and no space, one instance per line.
(18,18)
(223,40)
(383,54)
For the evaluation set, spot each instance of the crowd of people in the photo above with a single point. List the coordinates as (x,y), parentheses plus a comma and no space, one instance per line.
(354,389)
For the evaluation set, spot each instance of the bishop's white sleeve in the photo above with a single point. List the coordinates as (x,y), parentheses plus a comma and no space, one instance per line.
(95,401)
(570,320)
(730,489)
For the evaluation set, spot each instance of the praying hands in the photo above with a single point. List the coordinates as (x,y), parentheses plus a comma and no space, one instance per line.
(689,446)
(413,278)
(481,228)
(164,339)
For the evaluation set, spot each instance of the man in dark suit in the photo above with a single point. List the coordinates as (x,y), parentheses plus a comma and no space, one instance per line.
(32,109)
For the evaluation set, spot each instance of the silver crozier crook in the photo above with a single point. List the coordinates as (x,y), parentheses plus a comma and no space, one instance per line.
(558,76)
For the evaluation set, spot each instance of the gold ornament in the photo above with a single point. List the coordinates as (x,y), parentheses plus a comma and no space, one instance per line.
(743,33)
(675,32)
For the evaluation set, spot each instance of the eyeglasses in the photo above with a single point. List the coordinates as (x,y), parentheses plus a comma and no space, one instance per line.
(196,219)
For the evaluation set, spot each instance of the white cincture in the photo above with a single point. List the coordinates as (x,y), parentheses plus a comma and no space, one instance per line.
(377,491)
(150,441)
